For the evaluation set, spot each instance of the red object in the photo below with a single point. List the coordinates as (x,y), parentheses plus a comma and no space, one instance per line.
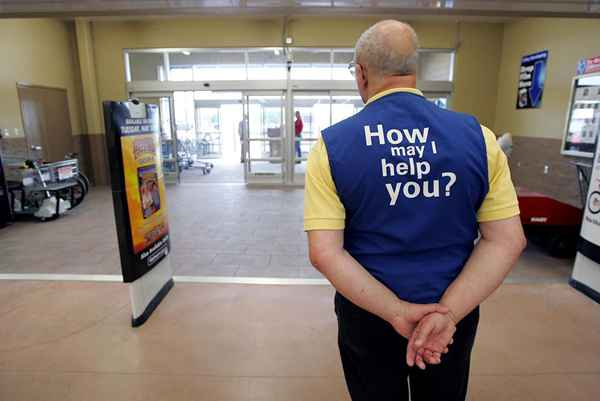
(299,125)
(541,210)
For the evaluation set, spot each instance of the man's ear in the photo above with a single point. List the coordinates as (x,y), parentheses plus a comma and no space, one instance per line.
(364,79)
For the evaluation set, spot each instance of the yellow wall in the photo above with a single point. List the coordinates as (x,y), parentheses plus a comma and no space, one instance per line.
(567,41)
(476,60)
(39,52)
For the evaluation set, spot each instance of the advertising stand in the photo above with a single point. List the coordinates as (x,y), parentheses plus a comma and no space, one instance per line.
(586,271)
(139,197)
(581,138)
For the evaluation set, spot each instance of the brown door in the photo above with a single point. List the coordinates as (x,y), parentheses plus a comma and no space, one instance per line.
(46,121)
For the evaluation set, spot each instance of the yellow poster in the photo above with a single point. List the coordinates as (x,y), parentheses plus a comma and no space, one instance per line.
(145,189)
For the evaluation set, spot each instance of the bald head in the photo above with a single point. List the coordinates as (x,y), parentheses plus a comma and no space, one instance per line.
(388,48)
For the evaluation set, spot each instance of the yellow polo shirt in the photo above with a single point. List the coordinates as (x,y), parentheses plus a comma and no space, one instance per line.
(323,209)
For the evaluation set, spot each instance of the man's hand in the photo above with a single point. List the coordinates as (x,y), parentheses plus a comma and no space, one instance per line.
(431,337)
(409,315)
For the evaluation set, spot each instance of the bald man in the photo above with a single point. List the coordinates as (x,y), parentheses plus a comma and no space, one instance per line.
(395,199)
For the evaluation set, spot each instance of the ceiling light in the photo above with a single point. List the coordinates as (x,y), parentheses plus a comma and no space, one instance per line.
(289,40)
(186,53)
(276,51)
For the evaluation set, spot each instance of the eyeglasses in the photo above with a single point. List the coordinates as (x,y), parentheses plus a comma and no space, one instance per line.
(352,68)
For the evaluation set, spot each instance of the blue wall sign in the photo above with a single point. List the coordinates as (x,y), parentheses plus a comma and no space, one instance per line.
(531,80)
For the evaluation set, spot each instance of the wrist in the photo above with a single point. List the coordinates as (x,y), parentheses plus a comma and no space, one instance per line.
(397,312)
(451,315)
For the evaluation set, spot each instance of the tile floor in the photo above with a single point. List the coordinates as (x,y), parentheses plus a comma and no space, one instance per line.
(215,342)
(217,230)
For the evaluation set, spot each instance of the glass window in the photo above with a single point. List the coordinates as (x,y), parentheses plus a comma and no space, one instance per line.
(267,64)
(208,119)
(435,66)
(344,106)
(341,59)
(311,64)
(218,65)
(181,73)
(146,66)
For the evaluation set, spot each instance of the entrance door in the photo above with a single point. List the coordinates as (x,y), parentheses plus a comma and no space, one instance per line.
(46,122)
(264,137)
(209,126)
(168,137)
(317,111)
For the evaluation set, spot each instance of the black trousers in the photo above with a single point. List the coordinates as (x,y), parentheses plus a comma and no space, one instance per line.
(374,359)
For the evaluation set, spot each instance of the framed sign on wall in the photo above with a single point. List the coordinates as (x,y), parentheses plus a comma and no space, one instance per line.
(532,77)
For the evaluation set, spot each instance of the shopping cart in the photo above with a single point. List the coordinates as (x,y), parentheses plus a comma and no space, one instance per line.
(45,190)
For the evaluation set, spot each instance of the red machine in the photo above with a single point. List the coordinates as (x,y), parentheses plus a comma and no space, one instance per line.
(550,223)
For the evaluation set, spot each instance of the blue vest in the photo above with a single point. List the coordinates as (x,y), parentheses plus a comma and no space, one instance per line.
(411,177)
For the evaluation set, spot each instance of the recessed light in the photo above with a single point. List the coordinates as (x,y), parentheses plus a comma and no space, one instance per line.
(186,53)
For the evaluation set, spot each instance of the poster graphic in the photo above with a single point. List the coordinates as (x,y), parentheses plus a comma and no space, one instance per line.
(532,77)
(138,186)
(149,192)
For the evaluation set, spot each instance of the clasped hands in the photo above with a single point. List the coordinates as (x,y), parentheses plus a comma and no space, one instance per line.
(429,329)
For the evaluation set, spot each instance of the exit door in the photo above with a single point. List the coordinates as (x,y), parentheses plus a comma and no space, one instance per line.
(265,138)
(46,122)
(313,112)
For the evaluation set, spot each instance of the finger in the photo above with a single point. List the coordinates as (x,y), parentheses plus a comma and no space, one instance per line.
(445,350)
(442,309)
(423,332)
(411,350)
(431,360)
(410,355)
(426,309)
(434,358)
(420,362)
(451,341)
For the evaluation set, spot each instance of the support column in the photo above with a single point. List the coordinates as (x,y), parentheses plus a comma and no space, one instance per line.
(94,123)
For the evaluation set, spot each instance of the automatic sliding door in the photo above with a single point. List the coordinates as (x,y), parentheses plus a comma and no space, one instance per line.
(264,138)
(167,133)
(312,114)
(344,105)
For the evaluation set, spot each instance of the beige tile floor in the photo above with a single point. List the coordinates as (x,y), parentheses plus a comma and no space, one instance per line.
(217,230)
(72,341)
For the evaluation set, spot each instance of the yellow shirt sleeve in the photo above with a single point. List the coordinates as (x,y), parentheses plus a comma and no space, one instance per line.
(501,200)
(323,209)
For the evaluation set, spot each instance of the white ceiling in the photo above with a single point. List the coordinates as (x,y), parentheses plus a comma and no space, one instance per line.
(473,8)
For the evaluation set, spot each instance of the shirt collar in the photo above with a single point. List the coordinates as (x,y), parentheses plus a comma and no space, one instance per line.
(394,90)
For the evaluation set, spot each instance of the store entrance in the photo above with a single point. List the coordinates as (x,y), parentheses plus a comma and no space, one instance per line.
(209,127)
(250,136)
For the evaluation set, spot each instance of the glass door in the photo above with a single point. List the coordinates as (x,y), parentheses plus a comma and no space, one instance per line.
(264,134)
(312,114)
(168,137)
